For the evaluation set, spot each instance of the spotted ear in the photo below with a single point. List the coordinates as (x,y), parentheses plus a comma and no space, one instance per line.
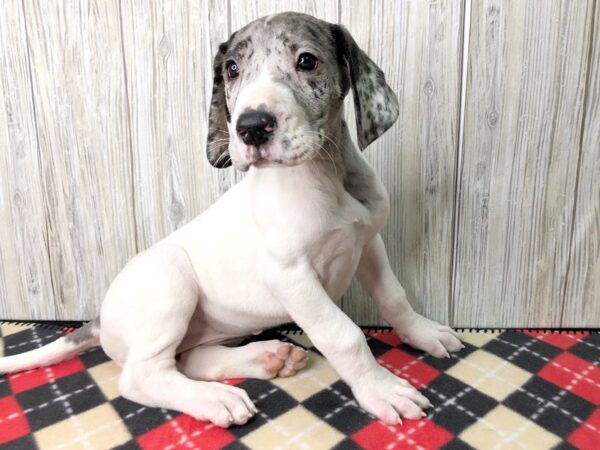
(376,105)
(217,143)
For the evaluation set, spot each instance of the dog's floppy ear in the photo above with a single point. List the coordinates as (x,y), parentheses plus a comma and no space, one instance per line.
(217,143)
(376,105)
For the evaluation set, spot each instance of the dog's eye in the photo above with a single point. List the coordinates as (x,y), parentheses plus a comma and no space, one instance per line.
(233,70)
(306,62)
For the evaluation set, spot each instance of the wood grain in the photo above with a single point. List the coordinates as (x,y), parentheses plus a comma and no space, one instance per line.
(164,50)
(417,45)
(524,106)
(582,296)
(103,113)
(83,132)
(25,281)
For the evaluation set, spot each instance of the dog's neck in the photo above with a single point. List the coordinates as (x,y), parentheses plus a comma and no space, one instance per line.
(339,182)
(324,182)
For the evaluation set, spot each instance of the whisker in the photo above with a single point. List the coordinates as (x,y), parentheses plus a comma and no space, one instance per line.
(325,136)
(217,147)
(220,141)
(221,130)
(223,155)
(321,147)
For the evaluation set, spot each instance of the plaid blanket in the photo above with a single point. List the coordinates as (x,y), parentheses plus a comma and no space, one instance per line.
(506,389)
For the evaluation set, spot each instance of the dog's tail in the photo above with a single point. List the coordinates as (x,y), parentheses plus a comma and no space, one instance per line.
(63,348)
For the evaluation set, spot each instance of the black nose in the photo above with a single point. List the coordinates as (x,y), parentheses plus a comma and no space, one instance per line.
(255,127)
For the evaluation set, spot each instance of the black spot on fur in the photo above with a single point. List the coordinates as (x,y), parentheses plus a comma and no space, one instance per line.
(242,45)
(341,53)
(218,78)
(314,32)
(374,129)
(284,38)
(85,333)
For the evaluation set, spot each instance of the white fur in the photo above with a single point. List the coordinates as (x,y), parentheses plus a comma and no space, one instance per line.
(277,247)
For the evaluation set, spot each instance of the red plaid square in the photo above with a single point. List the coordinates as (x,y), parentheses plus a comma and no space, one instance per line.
(23,381)
(13,423)
(374,436)
(390,338)
(560,340)
(234,381)
(574,374)
(184,432)
(426,433)
(418,434)
(588,434)
(409,367)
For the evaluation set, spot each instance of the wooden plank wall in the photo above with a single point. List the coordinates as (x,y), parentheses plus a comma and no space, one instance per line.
(25,275)
(494,223)
(418,45)
(527,74)
(582,296)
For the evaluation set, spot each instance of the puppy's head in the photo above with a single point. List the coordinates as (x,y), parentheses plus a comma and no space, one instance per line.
(279,87)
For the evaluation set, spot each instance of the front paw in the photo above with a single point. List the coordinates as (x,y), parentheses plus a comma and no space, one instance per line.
(389,398)
(429,336)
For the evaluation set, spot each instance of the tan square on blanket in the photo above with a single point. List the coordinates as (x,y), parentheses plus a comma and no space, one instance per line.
(98,428)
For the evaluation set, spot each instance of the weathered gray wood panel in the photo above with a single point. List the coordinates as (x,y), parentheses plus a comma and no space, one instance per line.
(418,45)
(582,295)
(25,283)
(524,107)
(167,58)
(83,133)
(103,110)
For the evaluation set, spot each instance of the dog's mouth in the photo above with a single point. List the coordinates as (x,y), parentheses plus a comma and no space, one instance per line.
(275,161)
(263,162)
(292,148)
(258,157)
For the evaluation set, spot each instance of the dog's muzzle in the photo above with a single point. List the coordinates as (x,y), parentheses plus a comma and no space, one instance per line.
(255,127)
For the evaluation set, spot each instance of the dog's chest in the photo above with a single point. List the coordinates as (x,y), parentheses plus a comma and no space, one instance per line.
(335,256)
(296,219)
(330,235)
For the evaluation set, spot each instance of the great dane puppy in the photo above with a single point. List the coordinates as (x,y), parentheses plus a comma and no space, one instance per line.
(280,246)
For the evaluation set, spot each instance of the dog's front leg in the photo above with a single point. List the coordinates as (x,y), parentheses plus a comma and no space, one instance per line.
(344,345)
(375,274)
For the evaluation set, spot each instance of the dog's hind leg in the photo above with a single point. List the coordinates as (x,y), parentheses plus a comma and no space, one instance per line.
(263,360)
(145,317)
(157,383)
